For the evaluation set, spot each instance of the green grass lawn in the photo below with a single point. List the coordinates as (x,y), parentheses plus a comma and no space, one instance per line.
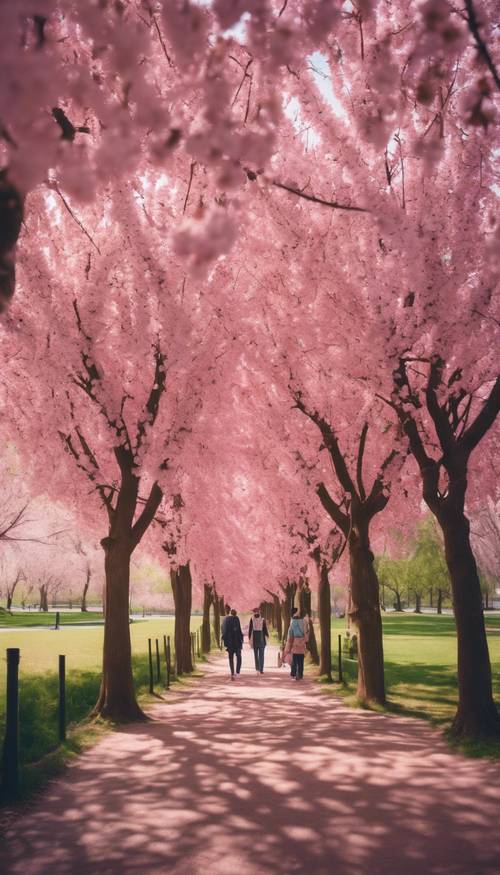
(41,618)
(38,687)
(420,663)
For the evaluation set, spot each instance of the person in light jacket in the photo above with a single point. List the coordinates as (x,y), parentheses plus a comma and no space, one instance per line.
(257,634)
(296,644)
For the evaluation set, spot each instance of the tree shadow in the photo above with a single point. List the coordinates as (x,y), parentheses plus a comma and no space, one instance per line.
(265,774)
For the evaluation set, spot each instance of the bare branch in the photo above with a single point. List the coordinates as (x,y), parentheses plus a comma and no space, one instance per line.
(481,46)
(333,509)
(483,421)
(359,466)
(334,205)
(147,515)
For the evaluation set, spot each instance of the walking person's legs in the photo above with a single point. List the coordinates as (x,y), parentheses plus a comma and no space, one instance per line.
(261,658)
(230,654)
(238,661)
(256,657)
(295,666)
(300,666)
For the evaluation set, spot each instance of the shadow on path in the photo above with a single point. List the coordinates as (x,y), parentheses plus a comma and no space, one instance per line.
(264,775)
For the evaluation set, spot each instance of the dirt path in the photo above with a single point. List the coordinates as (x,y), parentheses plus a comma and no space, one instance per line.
(264,775)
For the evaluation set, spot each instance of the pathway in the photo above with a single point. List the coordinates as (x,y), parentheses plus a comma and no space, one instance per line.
(264,775)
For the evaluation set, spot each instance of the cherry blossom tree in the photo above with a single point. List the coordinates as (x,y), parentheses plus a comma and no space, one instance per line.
(134,371)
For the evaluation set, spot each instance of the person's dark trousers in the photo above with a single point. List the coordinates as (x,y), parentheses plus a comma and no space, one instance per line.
(258,653)
(231,653)
(298,665)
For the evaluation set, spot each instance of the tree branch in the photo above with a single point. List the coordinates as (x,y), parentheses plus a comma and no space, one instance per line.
(359,466)
(333,509)
(147,515)
(481,46)
(331,444)
(483,421)
(334,205)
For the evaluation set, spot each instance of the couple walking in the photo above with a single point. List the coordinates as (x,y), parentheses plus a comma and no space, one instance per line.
(232,636)
(258,634)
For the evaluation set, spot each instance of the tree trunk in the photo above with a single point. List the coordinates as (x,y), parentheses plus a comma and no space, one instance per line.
(287,605)
(476,715)
(206,638)
(325,620)
(399,606)
(44,601)
(85,591)
(486,600)
(278,617)
(418,603)
(430,597)
(439,607)
(305,610)
(365,613)
(182,591)
(9,601)
(217,602)
(117,700)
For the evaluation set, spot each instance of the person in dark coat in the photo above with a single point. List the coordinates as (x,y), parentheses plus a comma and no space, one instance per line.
(232,637)
(257,634)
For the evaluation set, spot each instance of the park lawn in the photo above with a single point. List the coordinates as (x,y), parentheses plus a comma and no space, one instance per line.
(38,687)
(41,618)
(420,663)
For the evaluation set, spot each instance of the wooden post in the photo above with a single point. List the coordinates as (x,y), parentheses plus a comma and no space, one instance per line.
(198,643)
(10,763)
(166,648)
(157,662)
(150,654)
(193,646)
(58,618)
(62,698)
(169,660)
(341,679)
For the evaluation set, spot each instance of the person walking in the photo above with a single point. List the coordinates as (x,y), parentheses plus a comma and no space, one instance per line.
(257,634)
(296,643)
(232,637)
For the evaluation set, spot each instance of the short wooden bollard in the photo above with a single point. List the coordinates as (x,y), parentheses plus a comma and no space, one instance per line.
(341,679)
(10,757)
(150,653)
(158,675)
(62,698)
(167,661)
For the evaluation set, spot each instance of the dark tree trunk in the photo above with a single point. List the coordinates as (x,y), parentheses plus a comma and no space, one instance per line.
(117,700)
(476,715)
(206,638)
(486,600)
(399,606)
(325,619)
(431,592)
(11,215)
(182,591)
(287,605)
(279,618)
(9,601)
(85,591)
(365,613)
(439,606)
(217,604)
(418,603)
(44,601)
(306,611)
